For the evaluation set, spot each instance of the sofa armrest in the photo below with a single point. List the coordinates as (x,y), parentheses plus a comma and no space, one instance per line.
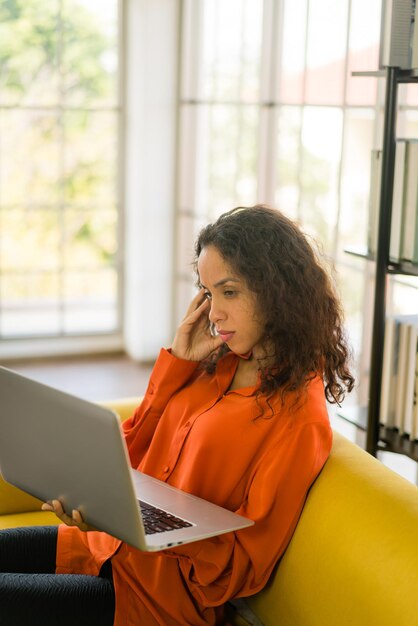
(354,553)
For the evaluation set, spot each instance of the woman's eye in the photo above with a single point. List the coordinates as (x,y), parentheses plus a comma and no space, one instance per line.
(229,293)
(207,295)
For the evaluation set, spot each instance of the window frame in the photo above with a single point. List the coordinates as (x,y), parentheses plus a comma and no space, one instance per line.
(189,217)
(67,342)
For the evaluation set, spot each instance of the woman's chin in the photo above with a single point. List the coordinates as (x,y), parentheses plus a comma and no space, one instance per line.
(242,355)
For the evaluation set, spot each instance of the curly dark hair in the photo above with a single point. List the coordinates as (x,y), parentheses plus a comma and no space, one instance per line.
(303,316)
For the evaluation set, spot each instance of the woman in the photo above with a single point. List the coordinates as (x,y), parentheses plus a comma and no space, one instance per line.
(235,413)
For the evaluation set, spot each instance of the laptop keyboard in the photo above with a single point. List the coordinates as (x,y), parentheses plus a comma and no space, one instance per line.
(158,521)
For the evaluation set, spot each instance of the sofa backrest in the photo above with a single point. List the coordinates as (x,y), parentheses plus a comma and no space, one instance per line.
(353,559)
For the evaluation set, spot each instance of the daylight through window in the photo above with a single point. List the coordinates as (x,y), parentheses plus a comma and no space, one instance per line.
(59,120)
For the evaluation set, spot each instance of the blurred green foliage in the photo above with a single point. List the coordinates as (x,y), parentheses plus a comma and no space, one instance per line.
(58,155)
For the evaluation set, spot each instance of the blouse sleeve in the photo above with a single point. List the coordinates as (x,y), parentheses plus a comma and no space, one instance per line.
(168,376)
(239,564)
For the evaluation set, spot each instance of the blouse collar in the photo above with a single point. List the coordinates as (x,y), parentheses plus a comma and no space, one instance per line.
(225,372)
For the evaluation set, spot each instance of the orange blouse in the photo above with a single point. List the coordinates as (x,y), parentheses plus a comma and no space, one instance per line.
(193,433)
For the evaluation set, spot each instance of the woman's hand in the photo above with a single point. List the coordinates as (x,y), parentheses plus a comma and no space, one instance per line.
(56,507)
(193,340)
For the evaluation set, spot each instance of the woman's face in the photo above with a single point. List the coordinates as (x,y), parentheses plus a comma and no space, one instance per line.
(233,310)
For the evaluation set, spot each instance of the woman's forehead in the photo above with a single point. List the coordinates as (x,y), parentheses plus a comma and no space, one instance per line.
(213,268)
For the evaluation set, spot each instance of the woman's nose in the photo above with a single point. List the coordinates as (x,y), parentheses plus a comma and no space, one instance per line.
(215,314)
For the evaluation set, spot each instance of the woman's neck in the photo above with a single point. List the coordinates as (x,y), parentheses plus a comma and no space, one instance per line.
(246,374)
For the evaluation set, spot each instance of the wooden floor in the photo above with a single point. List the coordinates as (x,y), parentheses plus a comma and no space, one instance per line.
(103,377)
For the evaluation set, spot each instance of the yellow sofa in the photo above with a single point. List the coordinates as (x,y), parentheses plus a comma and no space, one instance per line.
(352,561)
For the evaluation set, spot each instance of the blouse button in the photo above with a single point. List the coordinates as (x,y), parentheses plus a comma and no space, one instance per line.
(187,424)
(166,469)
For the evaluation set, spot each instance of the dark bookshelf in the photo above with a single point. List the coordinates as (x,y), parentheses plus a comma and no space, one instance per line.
(390,440)
(402,76)
(402,268)
(379,437)
(405,268)
(361,252)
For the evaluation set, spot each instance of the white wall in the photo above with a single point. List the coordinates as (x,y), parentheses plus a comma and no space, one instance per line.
(152,41)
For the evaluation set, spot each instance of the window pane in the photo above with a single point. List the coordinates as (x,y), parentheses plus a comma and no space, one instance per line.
(326,45)
(85,320)
(34,289)
(321,154)
(352,283)
(405,295)
(232,151)
(407,123)
(29,49)
(29,304)
(226,63)
(90,170)
(29,323)
(29,239)
(355,178)
(288,160)
(293,52)
(90,287)
(307,53)
(185,291)
(408,94)
(187,230)
(58,166)
(89,51)
(90,238)
(363,53)
(24,179)
(225,160)
(90,299)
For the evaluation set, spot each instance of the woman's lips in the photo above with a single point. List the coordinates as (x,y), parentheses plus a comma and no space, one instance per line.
(225,336)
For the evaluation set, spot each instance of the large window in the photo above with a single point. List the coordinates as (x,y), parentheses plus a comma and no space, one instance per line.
(269,112)
(59,134)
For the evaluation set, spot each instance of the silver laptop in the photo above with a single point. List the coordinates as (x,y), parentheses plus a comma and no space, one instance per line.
(57,446)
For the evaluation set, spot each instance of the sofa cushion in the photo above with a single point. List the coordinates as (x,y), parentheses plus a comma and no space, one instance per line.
(32,518)
(354,554)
